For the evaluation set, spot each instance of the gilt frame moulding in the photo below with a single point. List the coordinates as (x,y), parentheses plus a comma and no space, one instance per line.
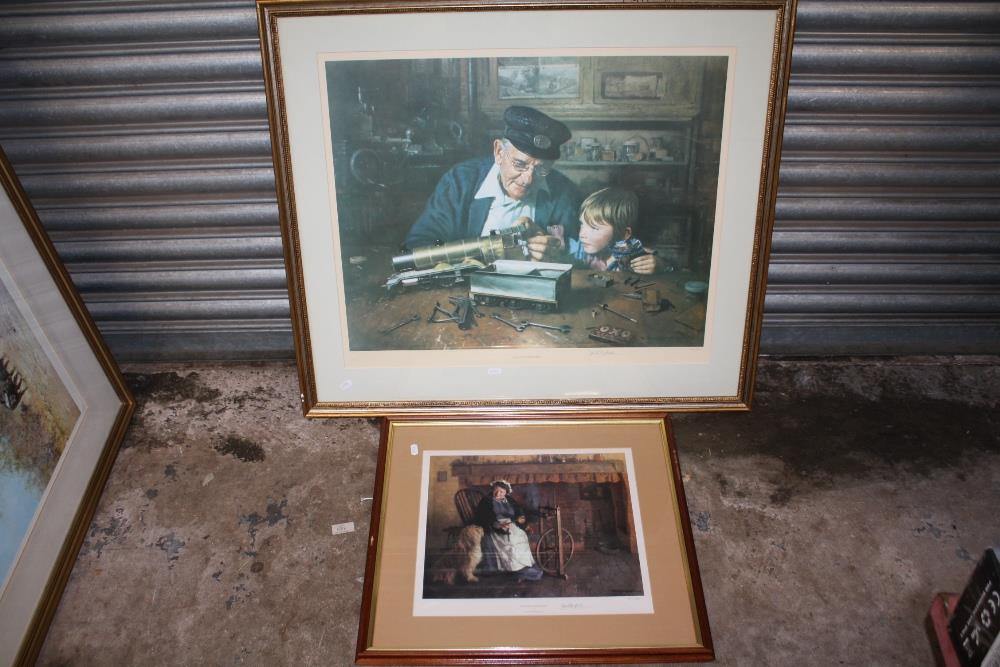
(310,52)
(64,413)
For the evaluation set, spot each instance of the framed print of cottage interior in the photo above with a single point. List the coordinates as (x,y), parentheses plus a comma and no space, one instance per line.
(64,408)
(554,207)
(548,541)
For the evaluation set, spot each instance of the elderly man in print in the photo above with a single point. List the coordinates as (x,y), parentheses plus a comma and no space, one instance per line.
(484,194)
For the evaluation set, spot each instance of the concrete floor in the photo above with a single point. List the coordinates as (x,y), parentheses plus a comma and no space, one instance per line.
(824,520)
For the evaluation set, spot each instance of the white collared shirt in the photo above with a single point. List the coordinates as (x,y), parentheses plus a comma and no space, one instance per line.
(505,210)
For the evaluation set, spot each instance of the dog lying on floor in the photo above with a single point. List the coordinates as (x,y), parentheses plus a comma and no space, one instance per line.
(462,559)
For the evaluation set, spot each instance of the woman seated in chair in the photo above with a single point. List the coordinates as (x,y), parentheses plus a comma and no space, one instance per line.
(505,544)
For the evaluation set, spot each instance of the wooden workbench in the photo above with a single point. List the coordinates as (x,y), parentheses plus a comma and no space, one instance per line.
(371,310)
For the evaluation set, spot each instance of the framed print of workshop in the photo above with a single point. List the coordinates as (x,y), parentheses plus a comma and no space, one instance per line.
(545,541)
(64,409)
(554,207)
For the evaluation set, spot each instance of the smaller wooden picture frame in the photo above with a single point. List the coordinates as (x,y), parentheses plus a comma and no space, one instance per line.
(491,544)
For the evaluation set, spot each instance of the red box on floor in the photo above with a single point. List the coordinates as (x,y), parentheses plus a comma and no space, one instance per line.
(937,630)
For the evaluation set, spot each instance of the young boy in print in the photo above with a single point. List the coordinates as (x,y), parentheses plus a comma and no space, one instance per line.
(606,242)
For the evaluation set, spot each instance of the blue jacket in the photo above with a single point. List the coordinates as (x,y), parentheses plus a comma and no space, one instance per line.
(453,213)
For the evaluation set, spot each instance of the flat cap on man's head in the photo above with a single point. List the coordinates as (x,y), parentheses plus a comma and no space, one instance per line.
(534,133)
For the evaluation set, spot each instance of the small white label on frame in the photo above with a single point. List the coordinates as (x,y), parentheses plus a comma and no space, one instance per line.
(341,528)
(494,371)
(346,385)
(414,449)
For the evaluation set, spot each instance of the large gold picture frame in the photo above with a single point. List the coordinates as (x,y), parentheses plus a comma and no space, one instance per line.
(611,575)
(680,102)
(64,412)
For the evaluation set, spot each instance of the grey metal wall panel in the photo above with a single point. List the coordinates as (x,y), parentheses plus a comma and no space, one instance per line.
(82,23)
(220,212)
(887,231)
(106,183)
(104,145)
(836,17)
(85,109)
(140,131)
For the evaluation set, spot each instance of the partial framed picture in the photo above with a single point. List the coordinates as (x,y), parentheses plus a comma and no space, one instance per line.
(64,408)
(538,78)
(632,86)
(535,541)
(553,207)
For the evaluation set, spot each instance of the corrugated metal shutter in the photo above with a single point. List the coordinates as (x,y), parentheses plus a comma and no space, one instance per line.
(887,233)
(140,131)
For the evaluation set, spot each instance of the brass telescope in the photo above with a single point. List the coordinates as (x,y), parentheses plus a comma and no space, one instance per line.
(505,243)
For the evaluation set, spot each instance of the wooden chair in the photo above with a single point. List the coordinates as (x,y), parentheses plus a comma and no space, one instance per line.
(466,501)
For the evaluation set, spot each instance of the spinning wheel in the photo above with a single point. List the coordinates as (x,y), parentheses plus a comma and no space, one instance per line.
(555,545)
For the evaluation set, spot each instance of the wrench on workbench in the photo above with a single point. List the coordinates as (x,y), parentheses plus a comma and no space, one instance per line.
(411,318)
(561,328)
(517,326)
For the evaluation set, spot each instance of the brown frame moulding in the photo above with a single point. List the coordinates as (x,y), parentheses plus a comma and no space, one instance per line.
(700,651)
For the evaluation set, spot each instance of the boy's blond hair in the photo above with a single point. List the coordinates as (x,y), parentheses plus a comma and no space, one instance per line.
(612,206)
